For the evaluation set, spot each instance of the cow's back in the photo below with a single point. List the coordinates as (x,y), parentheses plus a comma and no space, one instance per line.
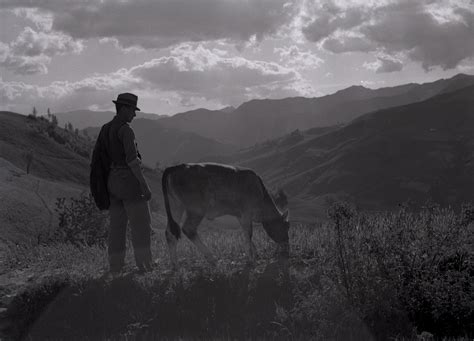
(214,189)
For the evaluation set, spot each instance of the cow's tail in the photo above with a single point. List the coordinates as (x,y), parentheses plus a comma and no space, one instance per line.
(172,224)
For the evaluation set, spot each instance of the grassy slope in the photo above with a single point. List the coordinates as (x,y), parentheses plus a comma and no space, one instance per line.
(374,277)
(56,171)
(51,160)
(28,202)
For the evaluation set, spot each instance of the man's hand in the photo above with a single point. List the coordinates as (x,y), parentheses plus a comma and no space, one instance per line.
(146,193)
(137,171)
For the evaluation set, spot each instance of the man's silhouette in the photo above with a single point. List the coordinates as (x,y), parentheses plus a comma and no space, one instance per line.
(128,190)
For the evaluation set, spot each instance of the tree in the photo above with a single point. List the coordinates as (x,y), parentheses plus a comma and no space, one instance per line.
(54,120)
(29,160)
(35,112)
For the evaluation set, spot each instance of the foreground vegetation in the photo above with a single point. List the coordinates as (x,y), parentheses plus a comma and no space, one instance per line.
(361,276)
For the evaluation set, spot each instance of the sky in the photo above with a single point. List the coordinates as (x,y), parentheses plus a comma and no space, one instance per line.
(180,55)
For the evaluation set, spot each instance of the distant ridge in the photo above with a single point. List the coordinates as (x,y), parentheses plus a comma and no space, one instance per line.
(167,146)
(82,119)
(256,121)
(420,151)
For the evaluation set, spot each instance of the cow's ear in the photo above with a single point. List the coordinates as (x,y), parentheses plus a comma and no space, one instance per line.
(285,215)
(281,200)
(282,194)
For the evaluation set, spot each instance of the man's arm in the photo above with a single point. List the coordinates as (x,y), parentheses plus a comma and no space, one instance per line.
(137,171)
(128,139)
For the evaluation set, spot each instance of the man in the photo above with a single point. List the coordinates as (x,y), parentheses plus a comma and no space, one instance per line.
(128,190)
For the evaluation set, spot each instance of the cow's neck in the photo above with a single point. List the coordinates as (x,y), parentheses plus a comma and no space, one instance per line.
(269,210)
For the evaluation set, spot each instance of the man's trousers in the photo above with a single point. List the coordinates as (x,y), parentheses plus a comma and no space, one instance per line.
(136,212)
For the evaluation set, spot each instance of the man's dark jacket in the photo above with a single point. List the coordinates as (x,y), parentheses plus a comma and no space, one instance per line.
(100,168)
(109,150)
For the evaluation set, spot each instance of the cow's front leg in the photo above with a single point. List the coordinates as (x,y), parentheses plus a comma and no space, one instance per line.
(246,223)
(172,241)
(190,230)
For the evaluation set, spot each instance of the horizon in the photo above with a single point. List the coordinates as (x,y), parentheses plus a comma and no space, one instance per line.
(43,113)
(181,56)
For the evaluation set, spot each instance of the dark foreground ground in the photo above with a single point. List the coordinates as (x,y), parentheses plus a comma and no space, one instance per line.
(386,276)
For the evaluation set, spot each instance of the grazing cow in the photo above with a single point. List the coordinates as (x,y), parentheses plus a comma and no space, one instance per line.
(212,190)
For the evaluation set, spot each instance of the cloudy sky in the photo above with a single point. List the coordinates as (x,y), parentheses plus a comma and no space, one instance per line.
(178,55)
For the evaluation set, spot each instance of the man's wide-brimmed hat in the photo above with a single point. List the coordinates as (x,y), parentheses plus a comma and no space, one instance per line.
(127,99)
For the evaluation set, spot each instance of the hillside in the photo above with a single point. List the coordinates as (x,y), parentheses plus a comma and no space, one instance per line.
(59,168)
(58,155)
(259,120)
(168,146)
(28,202)
(418,151)
(82,119)
(209,123)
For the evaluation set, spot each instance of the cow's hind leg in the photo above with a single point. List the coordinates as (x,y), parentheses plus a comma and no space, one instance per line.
(190,230)
(171,239)
(246,223)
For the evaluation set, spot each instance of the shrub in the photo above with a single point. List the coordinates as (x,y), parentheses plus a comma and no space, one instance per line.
(399,266)
(80,222)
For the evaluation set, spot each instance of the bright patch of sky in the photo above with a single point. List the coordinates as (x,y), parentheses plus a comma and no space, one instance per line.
(184,54)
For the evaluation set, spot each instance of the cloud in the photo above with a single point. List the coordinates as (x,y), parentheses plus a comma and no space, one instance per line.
(23,65)
(432,33)
(32,43)
(31,51)
(331,18)
(42,20)
(64,95)
(191,74)
(409,26)
(384,65)
(294,57)
(195,71)
(344,44)
(163,23)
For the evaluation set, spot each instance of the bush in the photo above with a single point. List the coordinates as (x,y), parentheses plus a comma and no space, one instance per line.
(401,266)
(80,222)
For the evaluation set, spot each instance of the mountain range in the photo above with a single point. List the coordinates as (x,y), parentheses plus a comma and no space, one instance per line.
(82,119)
(259,120)
(163,146)
(415,152)
(414,142)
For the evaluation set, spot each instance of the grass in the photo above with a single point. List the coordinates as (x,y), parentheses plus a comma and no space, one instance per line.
(359,277)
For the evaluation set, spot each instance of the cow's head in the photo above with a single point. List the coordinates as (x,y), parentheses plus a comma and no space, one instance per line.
(281,200)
